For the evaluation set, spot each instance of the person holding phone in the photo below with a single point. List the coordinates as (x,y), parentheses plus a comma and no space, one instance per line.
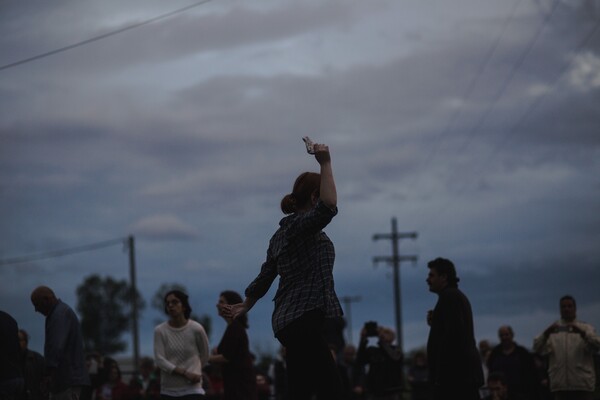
(385,361)
(302,255)
(570,345)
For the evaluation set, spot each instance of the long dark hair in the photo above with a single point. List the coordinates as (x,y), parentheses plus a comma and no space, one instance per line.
(183,298)
(232,297)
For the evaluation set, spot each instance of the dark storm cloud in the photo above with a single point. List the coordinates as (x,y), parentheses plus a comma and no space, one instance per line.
(187,133)
(187,34)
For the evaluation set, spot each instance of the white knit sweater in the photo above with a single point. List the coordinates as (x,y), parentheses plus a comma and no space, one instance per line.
(185,347)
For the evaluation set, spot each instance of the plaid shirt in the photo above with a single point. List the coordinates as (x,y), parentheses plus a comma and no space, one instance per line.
(302,255)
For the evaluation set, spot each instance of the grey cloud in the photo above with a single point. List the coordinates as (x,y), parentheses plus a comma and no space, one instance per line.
(190,34)
(163,227)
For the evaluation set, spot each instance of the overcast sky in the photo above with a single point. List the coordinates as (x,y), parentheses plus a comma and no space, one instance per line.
(474,123)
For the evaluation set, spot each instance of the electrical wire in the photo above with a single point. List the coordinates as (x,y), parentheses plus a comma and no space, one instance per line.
(509,78)
(100,37)
(469,91)
(61,253)
(540,99)
(530,110)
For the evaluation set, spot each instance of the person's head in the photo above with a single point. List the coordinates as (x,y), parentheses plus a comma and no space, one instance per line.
(231,297)
(506,335)
(304,194)
(114,372)
(420,358)
(146,366)
(43,300)
(496,383)
(484,348)
(177,302)
(568,308)
(23,339)
(386,335)
(92,362)
(441,274)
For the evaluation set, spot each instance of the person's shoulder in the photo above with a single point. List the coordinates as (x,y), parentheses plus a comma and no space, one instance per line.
(34,354)
(496,349)
(64,307)
(322,208)
(450,292)
(195,325)
(161,327)
(522,348)
(583,323)
(63,310)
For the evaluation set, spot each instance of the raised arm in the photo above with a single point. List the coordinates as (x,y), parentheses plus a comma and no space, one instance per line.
(328,193)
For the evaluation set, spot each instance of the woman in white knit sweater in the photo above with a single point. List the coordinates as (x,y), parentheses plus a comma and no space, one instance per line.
(180,350)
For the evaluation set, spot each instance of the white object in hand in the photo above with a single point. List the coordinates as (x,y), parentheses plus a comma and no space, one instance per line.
(310,146)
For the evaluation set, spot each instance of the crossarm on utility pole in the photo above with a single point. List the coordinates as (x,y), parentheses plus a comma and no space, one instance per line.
(395,261)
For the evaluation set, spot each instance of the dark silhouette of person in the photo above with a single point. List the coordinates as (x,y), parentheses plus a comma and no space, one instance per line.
(302,255)
(66,372)
(11,375)
(384,362)
(418,377)
(516,363)
(570,345)
(233,353)
(453,359)
(33,370)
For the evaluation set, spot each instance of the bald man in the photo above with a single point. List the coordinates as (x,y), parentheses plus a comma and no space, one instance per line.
(63,346)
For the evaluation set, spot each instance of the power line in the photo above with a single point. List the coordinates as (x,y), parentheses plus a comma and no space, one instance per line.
(540,99)
(468,92)
(532,108)
(509,78)
(63,252)
(100,37)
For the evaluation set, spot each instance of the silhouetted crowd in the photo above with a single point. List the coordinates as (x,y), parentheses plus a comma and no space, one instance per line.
(563,365)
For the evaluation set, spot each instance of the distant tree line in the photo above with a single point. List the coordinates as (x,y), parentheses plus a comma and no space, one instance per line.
(104,305)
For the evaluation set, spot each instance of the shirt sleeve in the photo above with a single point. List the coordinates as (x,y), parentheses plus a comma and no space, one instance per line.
(591,339)
(159,352)
(541,345)
(261,284)
(57,331)
(312,221)
(202,344)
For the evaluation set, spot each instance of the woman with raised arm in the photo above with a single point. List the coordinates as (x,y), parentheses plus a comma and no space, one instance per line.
(180,350)
(302,255)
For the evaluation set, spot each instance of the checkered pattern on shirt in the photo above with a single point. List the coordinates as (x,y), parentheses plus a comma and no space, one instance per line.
(303,256)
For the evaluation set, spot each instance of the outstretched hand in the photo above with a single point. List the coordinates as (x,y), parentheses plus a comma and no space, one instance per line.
(234,311)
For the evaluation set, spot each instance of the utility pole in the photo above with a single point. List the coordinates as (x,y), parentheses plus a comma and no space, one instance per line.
(348,300)
(134,304)
(394,261)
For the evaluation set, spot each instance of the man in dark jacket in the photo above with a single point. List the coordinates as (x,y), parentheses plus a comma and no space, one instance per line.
(63,346)
(453,359)
(517,365)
